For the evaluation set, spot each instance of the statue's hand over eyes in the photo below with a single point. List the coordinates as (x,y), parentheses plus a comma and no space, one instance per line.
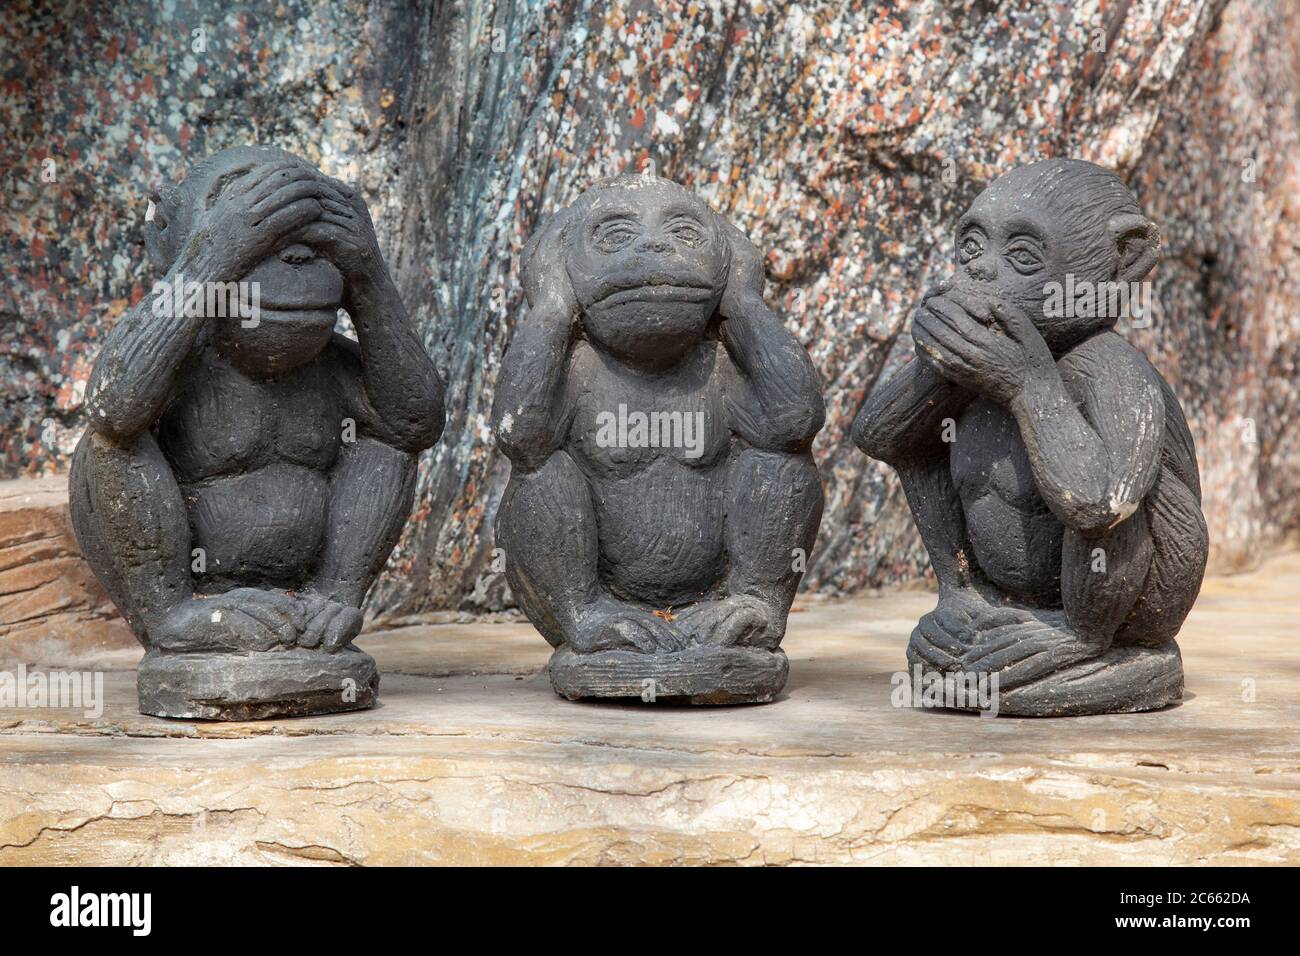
(245,217)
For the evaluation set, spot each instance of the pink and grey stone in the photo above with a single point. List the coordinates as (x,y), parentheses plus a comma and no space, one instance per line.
(843,138)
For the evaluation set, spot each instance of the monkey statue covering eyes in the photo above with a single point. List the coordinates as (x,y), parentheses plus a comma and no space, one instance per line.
(246,471)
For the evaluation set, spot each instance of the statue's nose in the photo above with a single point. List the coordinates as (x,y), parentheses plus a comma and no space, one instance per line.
(983,269)
(297,254)
(653,244)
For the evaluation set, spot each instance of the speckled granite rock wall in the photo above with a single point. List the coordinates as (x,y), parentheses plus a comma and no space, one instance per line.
(844,137)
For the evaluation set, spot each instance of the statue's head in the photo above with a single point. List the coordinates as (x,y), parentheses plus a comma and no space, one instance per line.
(1037,224)
(643,260)
(299,293)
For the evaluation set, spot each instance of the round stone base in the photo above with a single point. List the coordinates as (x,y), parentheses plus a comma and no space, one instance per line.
(296,682)
(1124,680)
(697,675)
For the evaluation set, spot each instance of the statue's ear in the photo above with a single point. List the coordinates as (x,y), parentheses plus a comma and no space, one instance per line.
(1137,246)
(159,230)
(544,267)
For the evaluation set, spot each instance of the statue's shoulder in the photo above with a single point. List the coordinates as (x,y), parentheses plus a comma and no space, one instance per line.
(1104,360)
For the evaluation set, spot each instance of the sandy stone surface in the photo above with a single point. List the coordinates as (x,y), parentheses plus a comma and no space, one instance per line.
(472,759)
(51,607)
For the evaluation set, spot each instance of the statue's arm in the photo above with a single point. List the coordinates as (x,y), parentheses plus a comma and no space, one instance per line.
(1094,446)
(528,412)
(777,402)
(136,369)
(902,419)
(402,395)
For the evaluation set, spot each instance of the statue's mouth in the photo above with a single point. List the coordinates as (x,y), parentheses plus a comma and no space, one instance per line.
(310,286)
(306,317)
(661,292)
(271,305)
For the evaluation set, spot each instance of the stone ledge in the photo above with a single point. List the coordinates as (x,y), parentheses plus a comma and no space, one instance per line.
(51,607)
(472,759)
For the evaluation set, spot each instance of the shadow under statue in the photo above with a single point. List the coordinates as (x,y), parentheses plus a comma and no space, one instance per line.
(658,418)
(246,472)
(1048,465)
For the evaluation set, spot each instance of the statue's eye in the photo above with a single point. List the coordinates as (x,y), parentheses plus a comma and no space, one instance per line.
(1024,258)
(971,246)
(612,236)
(687,232)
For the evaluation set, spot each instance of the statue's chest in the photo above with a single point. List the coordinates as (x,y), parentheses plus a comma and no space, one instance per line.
(623,424)
(224,422)
(989,457)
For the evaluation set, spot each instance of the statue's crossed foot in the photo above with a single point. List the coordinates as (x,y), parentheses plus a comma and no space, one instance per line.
(967,634)
(943,638)
(1021,652)
(738,620)
(608,625)
(249,619)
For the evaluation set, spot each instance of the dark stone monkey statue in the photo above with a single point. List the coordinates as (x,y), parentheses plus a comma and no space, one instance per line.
(658,418)
(1048,465)
(245,476)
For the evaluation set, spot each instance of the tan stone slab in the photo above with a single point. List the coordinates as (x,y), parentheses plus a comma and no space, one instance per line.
(51,607)
(471,758)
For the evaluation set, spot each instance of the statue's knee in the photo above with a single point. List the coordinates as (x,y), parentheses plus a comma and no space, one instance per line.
(93,454)
(791,475)
(144,447)
(377,471)
(372,450)
(780,462)
(544,507)
(559,468)
(558,475)
(100,464)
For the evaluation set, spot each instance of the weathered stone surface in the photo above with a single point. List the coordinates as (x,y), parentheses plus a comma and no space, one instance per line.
(472,759)
(841,137)
(51,607)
